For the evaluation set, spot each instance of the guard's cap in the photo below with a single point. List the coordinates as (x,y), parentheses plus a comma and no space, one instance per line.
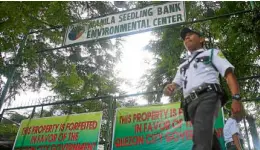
(186,30)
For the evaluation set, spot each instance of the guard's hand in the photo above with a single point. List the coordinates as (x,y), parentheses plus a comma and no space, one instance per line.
(169,89)
(236,106)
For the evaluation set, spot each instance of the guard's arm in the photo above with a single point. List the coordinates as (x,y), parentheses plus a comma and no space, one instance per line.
(236,140)
(234,88)
(177,82)
(232,81)
(226,69)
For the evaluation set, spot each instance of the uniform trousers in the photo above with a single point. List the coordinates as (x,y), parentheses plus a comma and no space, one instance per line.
(202,112)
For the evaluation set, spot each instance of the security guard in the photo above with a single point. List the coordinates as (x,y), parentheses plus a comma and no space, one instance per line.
(232,136)
(198,75)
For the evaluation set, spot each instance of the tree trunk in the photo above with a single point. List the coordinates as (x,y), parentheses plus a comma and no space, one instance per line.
(252,128)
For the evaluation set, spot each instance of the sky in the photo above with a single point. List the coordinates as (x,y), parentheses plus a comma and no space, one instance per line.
(134,62)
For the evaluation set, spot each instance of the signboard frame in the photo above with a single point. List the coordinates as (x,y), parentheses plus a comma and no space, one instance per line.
(218,125)
(122,34)
(67,119)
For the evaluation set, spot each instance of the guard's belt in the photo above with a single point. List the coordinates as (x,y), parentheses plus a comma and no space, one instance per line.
(201,90)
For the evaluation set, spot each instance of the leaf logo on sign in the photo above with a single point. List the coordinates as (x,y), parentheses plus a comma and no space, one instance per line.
(76,32)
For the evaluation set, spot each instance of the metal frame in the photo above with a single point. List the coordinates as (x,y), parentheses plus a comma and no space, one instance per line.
(112,101)
(111,108)
(112,98)
(22,44)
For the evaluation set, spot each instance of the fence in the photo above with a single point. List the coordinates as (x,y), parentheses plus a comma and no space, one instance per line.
(107,104)
(50,106)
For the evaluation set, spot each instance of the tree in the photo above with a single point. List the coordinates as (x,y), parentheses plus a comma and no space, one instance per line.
(16,117)
(9,127)
(72,73)
(76,72)
(243,46)
(167,50)
(236,35)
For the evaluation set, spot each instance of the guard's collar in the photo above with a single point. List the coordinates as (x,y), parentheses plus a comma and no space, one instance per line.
(195,52)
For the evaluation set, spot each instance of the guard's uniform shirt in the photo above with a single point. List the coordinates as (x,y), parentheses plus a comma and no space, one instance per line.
(199,73)
(231,127)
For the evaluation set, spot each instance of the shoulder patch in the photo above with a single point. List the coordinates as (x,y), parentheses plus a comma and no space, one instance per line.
(220,54)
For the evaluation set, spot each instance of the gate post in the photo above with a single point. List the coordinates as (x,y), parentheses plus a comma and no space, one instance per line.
(33,112)
(41,112)
(247,136)
(2,115)
(109,123)
(113,112)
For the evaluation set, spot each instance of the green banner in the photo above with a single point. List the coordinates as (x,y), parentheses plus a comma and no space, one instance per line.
(70,132)
(156,128)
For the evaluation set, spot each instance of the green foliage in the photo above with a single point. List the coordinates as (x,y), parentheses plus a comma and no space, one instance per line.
(234,35)
(9,127)
(74,73)
(16,117)
(167,49)
(8,131)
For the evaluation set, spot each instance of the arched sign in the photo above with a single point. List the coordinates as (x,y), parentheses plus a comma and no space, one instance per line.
(125,23)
